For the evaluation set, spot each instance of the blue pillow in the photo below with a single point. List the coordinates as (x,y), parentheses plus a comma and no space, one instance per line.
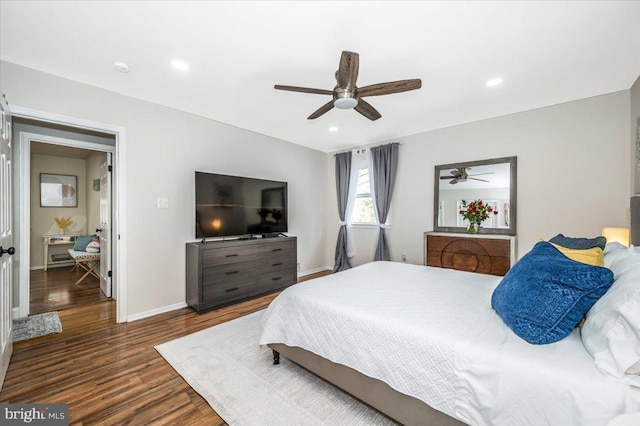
(82,242)
(578,243)
(545,294)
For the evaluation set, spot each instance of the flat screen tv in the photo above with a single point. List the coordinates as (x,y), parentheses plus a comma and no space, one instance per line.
(239,206)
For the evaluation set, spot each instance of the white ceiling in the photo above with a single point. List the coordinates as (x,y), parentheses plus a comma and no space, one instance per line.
(546,53)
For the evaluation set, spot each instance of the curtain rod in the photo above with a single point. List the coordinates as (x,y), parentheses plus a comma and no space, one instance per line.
(367,148)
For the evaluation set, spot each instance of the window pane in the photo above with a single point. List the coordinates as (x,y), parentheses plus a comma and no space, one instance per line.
(363,182)
(363,210)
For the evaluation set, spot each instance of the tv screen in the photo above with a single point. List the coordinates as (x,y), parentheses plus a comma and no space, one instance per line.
(233,205)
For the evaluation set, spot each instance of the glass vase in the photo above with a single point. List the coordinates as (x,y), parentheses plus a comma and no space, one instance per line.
(472,228)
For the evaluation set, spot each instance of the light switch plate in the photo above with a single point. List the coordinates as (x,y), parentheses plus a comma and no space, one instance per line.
(163,203)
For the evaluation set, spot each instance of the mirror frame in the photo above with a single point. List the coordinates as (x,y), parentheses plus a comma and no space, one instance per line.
(513,164)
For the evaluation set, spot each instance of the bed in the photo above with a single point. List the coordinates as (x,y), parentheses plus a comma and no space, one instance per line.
(424,346)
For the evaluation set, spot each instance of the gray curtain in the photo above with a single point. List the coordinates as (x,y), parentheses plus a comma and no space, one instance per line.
(343,173)
(384,165)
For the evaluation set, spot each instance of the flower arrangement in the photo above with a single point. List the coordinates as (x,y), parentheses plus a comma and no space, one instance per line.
(476,212)
(63,222)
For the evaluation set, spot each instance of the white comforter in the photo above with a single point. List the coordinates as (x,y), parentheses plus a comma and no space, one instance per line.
(431,333)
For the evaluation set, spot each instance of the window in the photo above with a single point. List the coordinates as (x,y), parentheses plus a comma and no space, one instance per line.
(363,206)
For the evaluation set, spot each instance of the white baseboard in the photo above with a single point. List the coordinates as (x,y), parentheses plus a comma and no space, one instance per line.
(181,305)
(156,311)
(57,265)
(315,271)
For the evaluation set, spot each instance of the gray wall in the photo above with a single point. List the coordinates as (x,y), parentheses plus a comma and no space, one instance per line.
(163,149)
(573,173)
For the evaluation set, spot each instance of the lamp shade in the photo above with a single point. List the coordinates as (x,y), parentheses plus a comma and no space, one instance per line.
(620,235)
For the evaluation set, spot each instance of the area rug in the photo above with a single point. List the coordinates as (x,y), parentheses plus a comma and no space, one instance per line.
(237,377)
(36,326)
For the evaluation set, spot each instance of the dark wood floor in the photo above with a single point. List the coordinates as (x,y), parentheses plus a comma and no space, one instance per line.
(110,373)
(56,289)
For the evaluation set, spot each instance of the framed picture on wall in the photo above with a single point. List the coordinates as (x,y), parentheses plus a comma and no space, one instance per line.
(58,190)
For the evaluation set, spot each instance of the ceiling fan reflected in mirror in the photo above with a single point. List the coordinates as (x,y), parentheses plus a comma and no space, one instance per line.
(347,95)
(461,175)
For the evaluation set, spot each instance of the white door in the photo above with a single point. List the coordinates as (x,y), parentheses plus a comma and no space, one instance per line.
(6,240)
(105,226)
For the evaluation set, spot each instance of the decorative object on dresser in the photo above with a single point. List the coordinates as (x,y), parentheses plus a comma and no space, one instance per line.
(484,254)
(476,212)
(496,187)
(221,273)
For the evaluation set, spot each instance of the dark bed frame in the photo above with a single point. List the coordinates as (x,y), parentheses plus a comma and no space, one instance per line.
(376,393)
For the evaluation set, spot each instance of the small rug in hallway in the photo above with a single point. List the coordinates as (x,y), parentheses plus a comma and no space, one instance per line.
(36,326)
(237,377)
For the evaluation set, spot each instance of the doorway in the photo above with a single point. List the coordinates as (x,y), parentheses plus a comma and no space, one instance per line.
(80,138)
(62,222)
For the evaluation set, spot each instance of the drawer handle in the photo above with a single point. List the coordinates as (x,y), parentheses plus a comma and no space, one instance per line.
(277,249)
(229,290)
(276,264)
(276,279)
(232,255)
(232,272)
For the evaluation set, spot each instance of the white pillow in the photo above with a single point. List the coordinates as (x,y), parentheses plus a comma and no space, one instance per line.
(611,332)
(611,252)
(93,247)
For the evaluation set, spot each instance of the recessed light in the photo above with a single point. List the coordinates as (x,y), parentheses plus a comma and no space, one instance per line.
(121,66)
(333,129)
(494,82)
(180,65)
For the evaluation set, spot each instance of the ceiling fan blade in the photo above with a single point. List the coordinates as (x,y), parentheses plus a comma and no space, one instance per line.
(447,177)
(481,180)
(324,108)
(348,70)
(480,174)
(390,87)
(453,181)
(303,90)
(367,110)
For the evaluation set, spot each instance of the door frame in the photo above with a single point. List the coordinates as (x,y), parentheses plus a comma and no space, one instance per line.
(118,225)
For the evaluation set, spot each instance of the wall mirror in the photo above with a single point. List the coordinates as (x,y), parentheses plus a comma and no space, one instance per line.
(493,181)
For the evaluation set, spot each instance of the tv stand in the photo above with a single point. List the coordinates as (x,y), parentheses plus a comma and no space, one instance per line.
(221,273)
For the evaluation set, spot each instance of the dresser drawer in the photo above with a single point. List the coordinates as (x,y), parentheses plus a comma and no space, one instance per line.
(229,271)
(228,290)
(485,254)
(224,255)
(275,280)
(275,263)
(278,248)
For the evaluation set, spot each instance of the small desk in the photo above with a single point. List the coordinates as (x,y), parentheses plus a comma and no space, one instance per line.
(54,240)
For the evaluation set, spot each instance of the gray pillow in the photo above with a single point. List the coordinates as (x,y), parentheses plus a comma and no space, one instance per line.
(579,243)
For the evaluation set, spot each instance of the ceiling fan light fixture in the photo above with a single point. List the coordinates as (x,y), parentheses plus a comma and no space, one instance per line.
(345,103)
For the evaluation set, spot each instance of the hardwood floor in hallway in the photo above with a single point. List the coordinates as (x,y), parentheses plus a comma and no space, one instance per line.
(110,373)
(56,289)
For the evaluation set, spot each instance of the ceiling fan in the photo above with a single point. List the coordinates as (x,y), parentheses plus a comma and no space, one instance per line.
(461,175)
(347,95)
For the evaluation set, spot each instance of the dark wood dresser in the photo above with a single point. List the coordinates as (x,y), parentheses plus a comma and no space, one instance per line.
(484,254)
(221,273)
